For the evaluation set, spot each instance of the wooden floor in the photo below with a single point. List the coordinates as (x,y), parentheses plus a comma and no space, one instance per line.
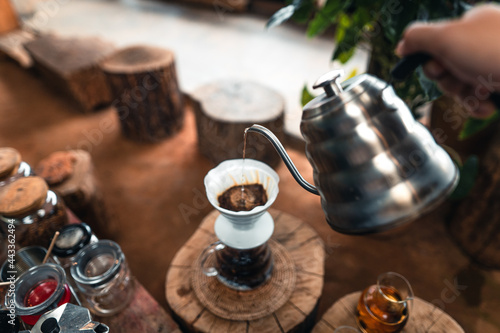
(155,196)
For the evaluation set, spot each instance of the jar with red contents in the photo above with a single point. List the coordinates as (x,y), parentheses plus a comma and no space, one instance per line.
(38,290)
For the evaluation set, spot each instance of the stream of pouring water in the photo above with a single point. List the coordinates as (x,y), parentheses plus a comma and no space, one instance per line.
(243,163)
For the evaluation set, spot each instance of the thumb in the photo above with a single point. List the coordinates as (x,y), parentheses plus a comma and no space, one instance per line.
(421,37)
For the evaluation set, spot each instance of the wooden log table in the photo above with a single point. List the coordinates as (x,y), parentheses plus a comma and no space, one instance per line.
(71,66)
(146,92)
(424,317)
(225,108)
(301,243)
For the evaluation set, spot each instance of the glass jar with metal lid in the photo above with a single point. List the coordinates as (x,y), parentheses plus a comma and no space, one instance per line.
(30,213)
(72,238)
(12,166)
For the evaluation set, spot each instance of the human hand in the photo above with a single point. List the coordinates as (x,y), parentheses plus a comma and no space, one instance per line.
(466,56)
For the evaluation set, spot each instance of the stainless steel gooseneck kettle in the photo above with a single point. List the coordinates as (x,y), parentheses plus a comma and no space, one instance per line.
(374,165)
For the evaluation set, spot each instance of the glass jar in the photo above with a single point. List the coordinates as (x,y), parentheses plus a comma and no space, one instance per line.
(72,238)
(30,213)
(12,167)
(38,290)
(102,276)
(25,258)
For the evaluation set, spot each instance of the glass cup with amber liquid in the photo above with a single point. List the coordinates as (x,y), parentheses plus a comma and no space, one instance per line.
(385,306)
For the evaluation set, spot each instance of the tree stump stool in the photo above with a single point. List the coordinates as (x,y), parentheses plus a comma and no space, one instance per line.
(146,94)
(12,45)
(299,241)
(222,7)
(224,109)
(424,317)
(475,225)
(71,65)
(70,173)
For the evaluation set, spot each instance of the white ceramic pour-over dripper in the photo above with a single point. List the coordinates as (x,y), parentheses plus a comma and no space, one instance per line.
(244,229)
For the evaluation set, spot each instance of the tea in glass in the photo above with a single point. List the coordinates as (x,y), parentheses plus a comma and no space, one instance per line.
(385,307)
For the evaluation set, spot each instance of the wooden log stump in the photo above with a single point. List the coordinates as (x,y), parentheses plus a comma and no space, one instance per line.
(12,45)
(424,317)
(70,173)
(8,18)
(146,92)
(475,224)
(71,65)
(222,7)
(224,109)
(306,251)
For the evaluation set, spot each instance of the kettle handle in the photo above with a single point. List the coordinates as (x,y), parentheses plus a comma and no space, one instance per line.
(409,63)
(284,156)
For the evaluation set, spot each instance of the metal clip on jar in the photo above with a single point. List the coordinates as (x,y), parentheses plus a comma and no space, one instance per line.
(101,274)
(72,238)
(30,212)
(12,167)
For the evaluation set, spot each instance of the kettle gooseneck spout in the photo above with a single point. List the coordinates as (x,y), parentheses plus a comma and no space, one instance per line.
(284,156)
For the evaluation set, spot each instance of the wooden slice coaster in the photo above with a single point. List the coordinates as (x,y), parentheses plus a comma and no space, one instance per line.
(303,245)
(424,317)
(246,305)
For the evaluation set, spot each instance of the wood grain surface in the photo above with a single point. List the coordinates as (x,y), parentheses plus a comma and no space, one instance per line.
(225,108)
(297,315)
(424,317)
(70,65)
(146,92)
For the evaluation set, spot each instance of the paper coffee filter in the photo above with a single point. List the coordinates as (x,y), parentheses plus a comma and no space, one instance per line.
(229,173)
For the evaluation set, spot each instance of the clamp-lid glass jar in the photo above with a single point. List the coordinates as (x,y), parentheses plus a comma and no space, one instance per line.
(101,274)
(30,213)
(12,166)
(72,238)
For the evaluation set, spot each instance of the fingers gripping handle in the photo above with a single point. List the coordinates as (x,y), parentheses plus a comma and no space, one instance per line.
(409,63)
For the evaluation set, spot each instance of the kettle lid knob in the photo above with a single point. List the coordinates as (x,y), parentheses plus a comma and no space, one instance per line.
(329,82)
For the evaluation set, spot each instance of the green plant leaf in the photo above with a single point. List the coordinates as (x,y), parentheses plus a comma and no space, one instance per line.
(325,17)
(347,38)
(475,125)
(304,13)
(306,96)
(468,174)
(343,54)
(394,17)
